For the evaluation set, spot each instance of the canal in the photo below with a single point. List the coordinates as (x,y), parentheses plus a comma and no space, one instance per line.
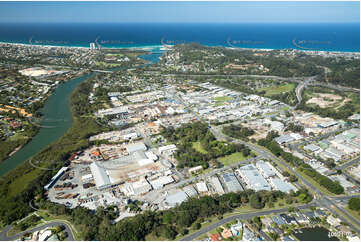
(315,234)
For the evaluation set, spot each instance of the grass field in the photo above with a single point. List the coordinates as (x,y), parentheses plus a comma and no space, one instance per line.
(355,214)
(233,158)
(221,100)
(278,89)
(198,147)
(18,186)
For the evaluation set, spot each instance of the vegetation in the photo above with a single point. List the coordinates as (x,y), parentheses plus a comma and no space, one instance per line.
(237,131)
(354,204)
(21,185)
(269,143)
(161,224)
(187,154)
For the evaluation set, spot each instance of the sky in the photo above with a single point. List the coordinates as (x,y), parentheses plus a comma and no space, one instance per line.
(180,12)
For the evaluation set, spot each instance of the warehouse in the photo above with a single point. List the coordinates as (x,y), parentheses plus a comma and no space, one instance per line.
(232,182)
(168,148)
(202,187)
(284,139)
(100,175)
(56,177)
(217,185)
(311,147)
(161,181)
(176,198)
(265,169)
(253,178)
(136,188)
(140,146)
(191,192)
(282,186)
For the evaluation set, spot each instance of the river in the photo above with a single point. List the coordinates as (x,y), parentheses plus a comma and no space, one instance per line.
(57,119)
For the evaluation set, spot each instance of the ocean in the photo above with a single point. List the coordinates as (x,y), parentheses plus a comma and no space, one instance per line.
(343,37)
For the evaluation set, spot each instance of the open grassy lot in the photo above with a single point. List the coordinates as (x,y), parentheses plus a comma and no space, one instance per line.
(198,147)
(278,89)
(17,185)
(221,100)
(355,214)
(233,158)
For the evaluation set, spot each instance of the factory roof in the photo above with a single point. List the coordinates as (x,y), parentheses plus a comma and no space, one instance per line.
(282,185)
(202,187)
(253,178)
(265,168)
(176,198)
(311,147)
(232,183)
(284,139)
(100,176)
(136,147)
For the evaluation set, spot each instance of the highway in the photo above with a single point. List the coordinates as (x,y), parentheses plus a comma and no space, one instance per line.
(4,237)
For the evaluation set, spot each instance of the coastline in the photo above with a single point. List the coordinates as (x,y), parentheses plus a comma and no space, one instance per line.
(168,47)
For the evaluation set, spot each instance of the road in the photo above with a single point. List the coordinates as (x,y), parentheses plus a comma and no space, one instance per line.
(4,237)
(7,133)
(239,216)
(301,86)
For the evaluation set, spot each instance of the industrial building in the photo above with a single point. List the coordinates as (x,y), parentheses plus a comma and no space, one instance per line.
(101,176)
(56,177)
(232,182)
(140,146)
(161,182)
(202,187)
(191,192)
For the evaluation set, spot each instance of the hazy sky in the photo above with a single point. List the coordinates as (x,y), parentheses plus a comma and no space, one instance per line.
(179,12)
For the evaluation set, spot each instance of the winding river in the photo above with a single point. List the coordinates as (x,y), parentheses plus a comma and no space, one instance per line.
(57,119)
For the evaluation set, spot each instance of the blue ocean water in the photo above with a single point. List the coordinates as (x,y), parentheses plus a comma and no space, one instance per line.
(308,36)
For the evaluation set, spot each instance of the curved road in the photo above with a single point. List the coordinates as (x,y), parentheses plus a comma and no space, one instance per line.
(4,237)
